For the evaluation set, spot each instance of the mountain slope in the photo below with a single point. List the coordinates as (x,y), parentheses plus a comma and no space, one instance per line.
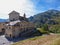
(49,17)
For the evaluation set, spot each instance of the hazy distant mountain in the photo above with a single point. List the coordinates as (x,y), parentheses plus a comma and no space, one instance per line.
(50,17)
(3,20)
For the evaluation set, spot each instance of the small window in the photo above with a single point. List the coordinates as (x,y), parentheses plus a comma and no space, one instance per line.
(3,24)
(10,35)
(9,27)
(3,29)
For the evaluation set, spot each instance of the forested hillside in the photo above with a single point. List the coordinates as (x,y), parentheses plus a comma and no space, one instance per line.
(50,17)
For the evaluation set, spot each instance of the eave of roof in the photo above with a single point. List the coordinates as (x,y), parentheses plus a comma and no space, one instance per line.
(13,12)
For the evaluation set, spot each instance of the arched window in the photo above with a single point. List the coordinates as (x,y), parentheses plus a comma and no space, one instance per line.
(3,30)
(10,35)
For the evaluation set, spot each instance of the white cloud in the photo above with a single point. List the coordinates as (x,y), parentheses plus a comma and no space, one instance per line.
(21,6)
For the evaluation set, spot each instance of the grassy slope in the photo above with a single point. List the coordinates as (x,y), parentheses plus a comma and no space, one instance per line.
(53,42)
(41,40)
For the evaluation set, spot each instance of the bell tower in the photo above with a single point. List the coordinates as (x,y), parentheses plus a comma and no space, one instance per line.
(24,15)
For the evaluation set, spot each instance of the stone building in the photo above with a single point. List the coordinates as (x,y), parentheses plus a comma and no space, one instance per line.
(13,16)
(2,27)
(18,26)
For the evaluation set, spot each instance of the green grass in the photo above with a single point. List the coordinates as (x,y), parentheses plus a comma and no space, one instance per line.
(42,31)
(35,38)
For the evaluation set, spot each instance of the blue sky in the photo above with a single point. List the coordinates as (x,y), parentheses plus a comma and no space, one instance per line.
(43,5)
(30,7)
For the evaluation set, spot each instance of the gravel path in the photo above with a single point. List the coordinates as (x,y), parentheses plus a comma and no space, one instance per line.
(4,41)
